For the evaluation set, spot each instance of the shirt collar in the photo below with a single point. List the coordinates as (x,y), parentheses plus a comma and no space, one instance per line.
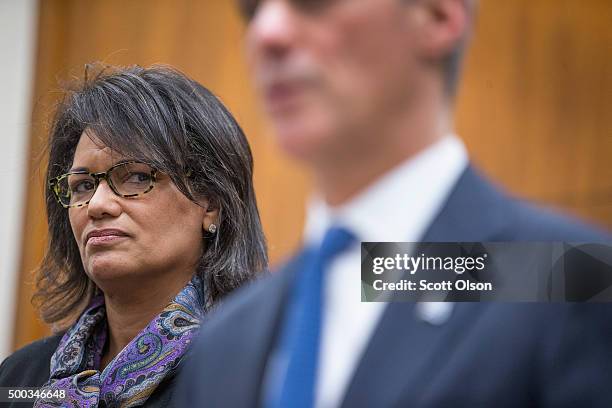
(401,204)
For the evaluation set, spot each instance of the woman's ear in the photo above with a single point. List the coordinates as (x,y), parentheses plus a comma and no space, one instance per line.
(210,221)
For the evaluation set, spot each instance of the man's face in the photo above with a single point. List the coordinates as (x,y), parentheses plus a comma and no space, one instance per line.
(332,73)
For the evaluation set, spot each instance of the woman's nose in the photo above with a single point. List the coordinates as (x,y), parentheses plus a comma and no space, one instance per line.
(104,202)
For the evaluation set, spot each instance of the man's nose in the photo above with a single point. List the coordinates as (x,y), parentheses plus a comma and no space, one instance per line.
(272,29)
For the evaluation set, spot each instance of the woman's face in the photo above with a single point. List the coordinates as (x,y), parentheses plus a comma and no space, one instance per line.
(151,237)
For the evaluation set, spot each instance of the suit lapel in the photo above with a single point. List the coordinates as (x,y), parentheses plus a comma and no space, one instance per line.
(262,320)
(474,211)
(406,352)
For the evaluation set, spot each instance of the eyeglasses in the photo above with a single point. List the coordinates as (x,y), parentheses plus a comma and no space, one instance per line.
(126,179)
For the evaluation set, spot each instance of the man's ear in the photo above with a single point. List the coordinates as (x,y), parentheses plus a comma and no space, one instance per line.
(442,26)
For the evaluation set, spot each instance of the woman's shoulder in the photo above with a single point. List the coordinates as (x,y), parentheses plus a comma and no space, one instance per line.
(29,366)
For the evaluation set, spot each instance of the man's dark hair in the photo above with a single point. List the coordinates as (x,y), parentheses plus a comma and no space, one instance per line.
(158,116)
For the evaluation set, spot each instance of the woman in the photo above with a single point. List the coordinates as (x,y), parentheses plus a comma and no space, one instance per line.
(152,220)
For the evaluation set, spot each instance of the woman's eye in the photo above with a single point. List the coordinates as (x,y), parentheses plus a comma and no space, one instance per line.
(83,186)
(137,178)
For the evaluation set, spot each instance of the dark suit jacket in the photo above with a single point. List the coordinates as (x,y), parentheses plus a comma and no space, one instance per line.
(30,367)
(485,355)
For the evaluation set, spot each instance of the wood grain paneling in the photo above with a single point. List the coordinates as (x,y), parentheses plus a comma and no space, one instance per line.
(535,101)
(533,107)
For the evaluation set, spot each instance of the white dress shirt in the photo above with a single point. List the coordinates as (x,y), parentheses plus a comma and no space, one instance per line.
(399,207)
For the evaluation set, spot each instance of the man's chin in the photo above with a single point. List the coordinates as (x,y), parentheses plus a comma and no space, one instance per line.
(301,138)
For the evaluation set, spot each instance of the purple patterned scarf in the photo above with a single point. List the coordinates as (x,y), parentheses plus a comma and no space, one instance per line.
(132,376)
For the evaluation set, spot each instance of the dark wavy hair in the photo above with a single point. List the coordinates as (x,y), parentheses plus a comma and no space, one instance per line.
(159,116)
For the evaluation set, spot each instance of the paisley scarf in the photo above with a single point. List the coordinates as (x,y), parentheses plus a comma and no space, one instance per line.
(132,376)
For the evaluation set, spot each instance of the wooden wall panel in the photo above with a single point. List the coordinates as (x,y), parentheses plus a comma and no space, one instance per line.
(535,102)
(51,53)
(533,108)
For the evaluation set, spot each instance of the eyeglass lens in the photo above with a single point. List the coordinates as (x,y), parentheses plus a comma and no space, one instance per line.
(128,179)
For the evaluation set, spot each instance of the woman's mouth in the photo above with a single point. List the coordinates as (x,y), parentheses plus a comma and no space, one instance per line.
(105,237)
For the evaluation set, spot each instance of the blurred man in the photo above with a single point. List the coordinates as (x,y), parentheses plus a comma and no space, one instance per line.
(361,91)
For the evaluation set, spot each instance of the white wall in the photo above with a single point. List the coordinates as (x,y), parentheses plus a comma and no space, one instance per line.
(18,25)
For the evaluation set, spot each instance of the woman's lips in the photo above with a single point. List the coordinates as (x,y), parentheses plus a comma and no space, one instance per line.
(105,240)
(104,237)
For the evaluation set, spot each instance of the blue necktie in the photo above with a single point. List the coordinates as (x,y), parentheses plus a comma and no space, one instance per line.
(299,340)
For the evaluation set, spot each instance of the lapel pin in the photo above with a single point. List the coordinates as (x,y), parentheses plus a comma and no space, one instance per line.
(435,313)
